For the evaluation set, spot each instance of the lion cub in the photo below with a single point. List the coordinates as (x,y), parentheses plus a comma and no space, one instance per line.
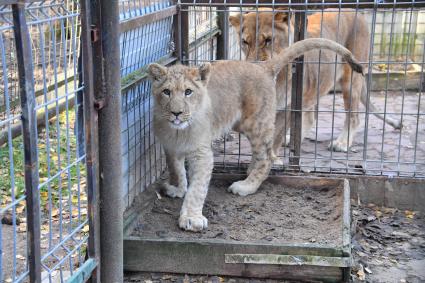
(193,106)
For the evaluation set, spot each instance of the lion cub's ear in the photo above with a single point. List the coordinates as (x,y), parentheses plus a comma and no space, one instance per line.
(204,72)
(157,72)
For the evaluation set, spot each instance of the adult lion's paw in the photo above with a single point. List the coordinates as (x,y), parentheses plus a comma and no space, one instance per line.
(193,223)
(173,191)
(338,146)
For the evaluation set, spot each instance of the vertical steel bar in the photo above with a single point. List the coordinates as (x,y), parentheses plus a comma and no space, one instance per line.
(334,95)
(91,139)
(387,80)
(107,89)
(79,121)
(29,129)
(297,95)
(223,38)
(181,33)
(418,116)
(368,84)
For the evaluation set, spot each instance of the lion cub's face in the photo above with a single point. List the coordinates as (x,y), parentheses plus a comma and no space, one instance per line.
(179,93)
(269,40)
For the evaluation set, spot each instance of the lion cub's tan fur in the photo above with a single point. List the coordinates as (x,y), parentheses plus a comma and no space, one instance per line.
(194,105)
(274,33)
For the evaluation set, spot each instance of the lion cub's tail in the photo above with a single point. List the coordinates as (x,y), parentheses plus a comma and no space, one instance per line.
(300,47)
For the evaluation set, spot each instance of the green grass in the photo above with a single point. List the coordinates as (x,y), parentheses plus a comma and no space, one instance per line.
(65,185)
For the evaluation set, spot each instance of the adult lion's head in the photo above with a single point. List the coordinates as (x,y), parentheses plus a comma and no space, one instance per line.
(179,92)
(262,33)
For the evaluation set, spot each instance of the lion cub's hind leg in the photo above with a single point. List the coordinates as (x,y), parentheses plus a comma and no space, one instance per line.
(261,159)
(259,129)
(176,186)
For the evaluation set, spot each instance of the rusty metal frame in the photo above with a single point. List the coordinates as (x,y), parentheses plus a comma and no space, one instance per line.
(29,129)
(181,33)
(309,4)
(297,94)
(91,140)
(147,18)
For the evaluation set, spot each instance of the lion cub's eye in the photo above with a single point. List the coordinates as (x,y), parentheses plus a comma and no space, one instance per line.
(166,92)
(188,92)
(268,41)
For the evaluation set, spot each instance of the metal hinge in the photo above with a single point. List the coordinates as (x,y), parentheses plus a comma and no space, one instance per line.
(99,103)
(94,34)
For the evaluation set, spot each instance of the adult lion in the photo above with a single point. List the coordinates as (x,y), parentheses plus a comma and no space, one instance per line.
(348,28)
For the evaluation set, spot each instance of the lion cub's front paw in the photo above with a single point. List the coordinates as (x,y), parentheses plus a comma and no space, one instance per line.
(193,223)
(173,191)
(242,188)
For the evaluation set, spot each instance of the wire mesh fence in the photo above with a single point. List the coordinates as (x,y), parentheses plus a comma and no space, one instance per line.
(200,31)
(393,41)
(141,45)
(54,37)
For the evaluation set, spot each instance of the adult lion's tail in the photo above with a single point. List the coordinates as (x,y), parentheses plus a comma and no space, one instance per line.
(300,47)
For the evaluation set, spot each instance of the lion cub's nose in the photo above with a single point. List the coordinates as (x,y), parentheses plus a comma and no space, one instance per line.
(176,113)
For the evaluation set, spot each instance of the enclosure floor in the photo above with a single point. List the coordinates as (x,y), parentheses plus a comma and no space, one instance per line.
(388,246)
(275,214)
(394,149)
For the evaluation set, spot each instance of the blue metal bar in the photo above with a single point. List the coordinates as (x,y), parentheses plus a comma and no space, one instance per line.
(83,273)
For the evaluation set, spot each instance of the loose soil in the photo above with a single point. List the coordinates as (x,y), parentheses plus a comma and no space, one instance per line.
(388,245)
(275,214)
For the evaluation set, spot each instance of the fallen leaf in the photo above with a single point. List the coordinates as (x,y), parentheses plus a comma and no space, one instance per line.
(85,229)
(371,218)
(55,212)
(21,257)
(22,227)
(75,212)
(74,199)
(8,280)
(409,214)
(20,209)
(45,227)
(360,273)
(158,195)
(44,196)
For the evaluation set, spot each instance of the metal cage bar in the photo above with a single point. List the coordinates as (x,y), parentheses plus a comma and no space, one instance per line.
(107,92)
(29,129)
